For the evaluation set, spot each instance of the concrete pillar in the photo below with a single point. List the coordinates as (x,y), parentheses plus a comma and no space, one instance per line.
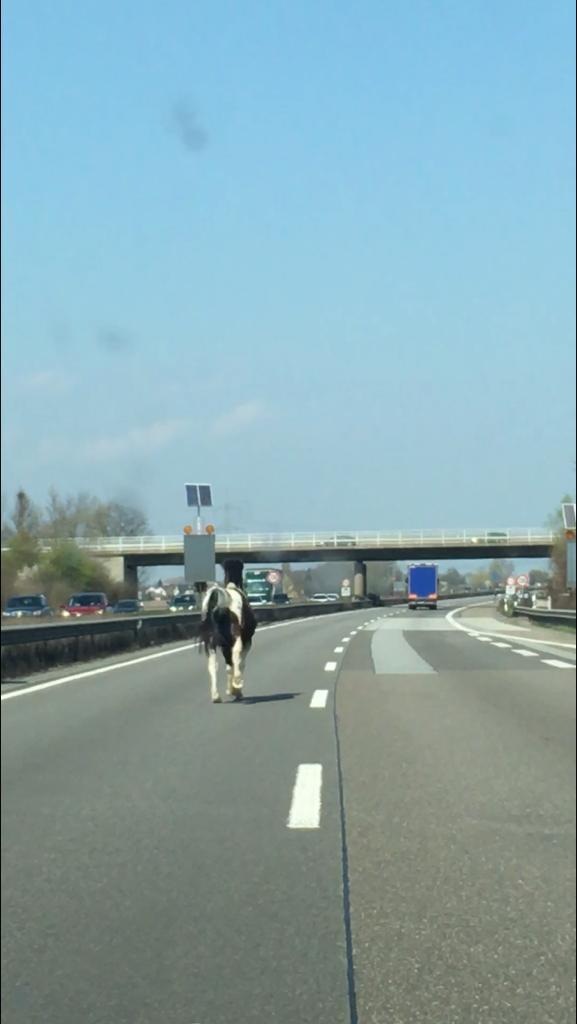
(359,579)
(131,577)
(115,567)
(233,570)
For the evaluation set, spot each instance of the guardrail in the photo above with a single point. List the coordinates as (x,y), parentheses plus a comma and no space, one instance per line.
(341,540)
(32,648)
(27,649)
(559,616)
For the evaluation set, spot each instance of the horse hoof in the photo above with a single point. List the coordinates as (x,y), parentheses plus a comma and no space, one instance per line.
(217,699)
(237,693)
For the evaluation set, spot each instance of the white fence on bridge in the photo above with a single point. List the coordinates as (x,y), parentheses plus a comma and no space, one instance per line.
(340,540)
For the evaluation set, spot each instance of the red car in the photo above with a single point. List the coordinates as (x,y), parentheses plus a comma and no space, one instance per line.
(85,604)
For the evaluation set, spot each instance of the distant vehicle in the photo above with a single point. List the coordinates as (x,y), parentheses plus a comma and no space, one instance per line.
(340,540)
(262,583)
(423,585)
(183,603)
(29,604)
(320,598)
(492,537)
(331,598)
(85,604)
(281,599)
(128,606)
(257,600)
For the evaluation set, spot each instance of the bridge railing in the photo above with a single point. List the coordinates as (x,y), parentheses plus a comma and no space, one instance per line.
(341,540)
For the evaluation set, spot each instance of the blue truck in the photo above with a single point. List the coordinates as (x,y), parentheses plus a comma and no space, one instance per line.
(423,585)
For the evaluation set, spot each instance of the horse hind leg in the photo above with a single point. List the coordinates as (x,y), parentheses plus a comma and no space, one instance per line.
(227,653)
(213,673)
(237,668)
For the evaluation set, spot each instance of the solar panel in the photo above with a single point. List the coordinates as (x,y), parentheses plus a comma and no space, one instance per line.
(198,495)
(568,510)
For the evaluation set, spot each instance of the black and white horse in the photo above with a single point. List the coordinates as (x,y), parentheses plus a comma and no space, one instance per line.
(228,623)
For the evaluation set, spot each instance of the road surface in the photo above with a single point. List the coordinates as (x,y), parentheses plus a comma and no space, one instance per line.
(400,851)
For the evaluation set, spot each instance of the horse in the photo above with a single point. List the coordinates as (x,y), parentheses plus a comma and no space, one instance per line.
(228,623)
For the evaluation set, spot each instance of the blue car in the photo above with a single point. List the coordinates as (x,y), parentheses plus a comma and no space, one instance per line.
(34,605)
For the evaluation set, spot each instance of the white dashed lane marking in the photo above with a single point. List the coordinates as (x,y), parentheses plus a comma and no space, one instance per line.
(525,654)
(557,664)
(339,650)
(319,699)
(498,643)
(305,809)
(330,666)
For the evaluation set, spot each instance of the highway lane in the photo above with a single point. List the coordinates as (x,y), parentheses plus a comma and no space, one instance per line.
(458,758)
(149,874)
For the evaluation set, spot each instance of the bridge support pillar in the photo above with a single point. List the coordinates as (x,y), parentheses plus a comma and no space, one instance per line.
(121,570)
(359,579)
(233,570)
(131,577)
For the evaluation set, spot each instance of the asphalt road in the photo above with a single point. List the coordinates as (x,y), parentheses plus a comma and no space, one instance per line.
(150,874)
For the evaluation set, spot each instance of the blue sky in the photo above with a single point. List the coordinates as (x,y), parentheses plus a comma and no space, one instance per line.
(319,254)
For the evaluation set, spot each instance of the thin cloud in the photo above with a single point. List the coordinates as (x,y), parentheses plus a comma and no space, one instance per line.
(136,442)
(190,132)
(239,417)
(46,383)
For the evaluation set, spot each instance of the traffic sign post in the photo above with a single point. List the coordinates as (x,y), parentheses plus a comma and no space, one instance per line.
(522,580)
(571,565)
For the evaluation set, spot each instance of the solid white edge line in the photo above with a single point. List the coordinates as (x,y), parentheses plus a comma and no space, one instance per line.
(129,663)
(330,666)
(504,636)
(557,664)
(319,699)
(305,809)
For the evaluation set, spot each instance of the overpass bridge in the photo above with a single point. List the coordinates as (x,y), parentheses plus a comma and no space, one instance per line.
(124,555)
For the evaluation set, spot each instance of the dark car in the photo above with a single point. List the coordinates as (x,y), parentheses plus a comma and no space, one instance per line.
(182,603)
(128,606)
(93,603)
(28,604)
(281,599)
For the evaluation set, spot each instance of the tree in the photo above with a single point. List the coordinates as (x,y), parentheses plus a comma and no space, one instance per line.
(66,567)
(538,577)
(453,578)
(84,515)
(499,569)
(381,576)
(124,520)
(25,515)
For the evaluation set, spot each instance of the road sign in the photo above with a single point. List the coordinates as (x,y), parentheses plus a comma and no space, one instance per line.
(273,577)
(345,591)
(522,581)
(346,583)
(510,589)
(510,581)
